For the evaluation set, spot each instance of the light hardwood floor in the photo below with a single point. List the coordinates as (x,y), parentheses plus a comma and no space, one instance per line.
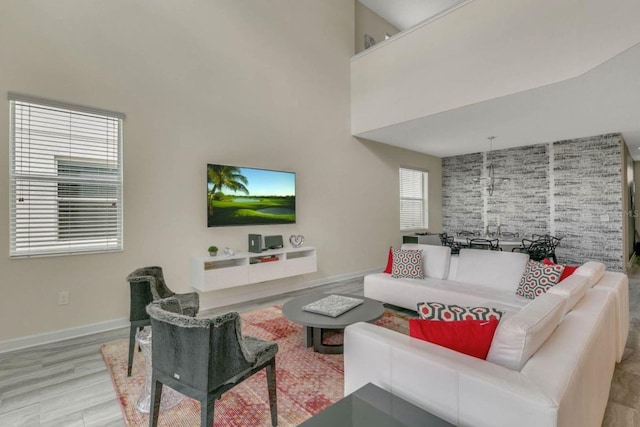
(67,383)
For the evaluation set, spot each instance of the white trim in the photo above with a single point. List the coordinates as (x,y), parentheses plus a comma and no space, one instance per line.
(62,334)
(12,96)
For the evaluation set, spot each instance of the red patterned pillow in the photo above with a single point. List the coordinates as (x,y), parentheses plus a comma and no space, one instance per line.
(568,269)
(472,337)
(407,264)
(389,261)
(451,312)
(538,278)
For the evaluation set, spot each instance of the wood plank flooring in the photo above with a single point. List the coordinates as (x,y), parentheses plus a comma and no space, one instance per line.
(67,383)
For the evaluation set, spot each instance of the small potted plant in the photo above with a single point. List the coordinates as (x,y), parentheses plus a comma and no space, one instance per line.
(213,250)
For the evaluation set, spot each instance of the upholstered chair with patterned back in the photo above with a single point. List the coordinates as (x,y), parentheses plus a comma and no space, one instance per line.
(204,357)
(146,285)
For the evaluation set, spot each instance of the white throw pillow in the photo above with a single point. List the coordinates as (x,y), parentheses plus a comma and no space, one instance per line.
(435,259)
(518,337)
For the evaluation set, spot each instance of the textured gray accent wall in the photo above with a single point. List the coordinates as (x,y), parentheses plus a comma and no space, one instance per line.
(462,201)
(568,188)
(523,201)
(588,199)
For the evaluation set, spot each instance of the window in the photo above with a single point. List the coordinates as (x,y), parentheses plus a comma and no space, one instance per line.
(414,200)
(65,178)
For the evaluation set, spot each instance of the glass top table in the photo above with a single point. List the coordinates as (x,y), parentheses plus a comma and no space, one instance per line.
(371,406)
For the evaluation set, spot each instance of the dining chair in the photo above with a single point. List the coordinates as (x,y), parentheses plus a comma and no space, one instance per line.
(147,284)
(465,233)
(552,244)
(487,244)
(204,357)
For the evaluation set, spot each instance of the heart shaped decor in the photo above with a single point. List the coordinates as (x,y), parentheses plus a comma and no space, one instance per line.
(296,240)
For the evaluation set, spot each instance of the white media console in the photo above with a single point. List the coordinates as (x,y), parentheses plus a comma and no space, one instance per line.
(220,272)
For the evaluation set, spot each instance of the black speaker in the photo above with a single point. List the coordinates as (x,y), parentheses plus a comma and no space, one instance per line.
(255,243)
(273,242)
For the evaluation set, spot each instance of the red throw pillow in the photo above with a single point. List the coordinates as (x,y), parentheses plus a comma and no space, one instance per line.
(568,269)
(389,261)
(472,337)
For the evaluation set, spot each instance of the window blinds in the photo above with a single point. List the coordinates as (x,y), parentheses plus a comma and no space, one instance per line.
(65,178)
(413,199)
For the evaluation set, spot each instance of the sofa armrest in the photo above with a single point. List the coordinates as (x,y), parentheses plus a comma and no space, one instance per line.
(459,388)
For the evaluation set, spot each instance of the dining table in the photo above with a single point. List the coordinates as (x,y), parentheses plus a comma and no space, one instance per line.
(506,245)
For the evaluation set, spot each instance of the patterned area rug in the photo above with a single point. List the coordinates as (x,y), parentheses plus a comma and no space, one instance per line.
(307,382)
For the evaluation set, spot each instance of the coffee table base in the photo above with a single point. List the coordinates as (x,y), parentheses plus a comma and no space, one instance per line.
(313,337)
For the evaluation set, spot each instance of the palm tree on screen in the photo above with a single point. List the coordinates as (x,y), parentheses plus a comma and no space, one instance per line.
(220,177)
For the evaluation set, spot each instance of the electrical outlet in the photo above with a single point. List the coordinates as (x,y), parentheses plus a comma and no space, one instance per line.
(63,298)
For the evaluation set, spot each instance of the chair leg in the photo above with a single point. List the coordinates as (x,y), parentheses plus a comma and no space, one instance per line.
(271,385)
(132,343)
(207,409)
(156,397)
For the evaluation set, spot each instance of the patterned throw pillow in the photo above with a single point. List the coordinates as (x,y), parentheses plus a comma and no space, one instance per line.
(451,312)
(568,269)
(407,264)
(538,278)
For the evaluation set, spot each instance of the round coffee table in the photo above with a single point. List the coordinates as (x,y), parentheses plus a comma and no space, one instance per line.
(314,324)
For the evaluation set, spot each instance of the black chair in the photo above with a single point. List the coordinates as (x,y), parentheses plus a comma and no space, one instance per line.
(536,249)
(551,243)
(465,233)
(204,357)
(447,240)
(146,285)
(492,245)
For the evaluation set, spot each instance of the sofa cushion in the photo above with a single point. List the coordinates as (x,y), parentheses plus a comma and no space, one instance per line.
(593,270)
(518,337)
(572,288)
(435,259)
(472,337)
(568,269)
(389,266)
(407,264)
(538,278)
(494,269)
(409,292)
(450,312)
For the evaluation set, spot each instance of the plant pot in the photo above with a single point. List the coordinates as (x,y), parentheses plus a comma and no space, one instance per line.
(213,253)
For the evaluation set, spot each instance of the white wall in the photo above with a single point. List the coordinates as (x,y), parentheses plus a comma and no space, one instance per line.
(248,83)
(485,50)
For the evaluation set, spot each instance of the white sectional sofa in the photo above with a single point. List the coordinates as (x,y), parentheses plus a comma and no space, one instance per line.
(551,360)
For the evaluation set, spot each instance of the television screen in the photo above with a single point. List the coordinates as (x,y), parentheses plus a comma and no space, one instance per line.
(247,196)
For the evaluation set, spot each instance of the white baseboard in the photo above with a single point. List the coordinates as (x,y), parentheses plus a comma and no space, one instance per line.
(94,328)
(62,334)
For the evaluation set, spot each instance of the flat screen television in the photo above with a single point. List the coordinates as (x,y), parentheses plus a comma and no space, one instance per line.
(247,196)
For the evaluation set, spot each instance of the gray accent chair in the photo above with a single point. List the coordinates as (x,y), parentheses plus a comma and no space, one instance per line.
(147,284)
(204,357)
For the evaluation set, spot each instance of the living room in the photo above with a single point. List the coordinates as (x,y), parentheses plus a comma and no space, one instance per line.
(254,84)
